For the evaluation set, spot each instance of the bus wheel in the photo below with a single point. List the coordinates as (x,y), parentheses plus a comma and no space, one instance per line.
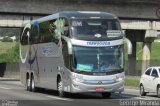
(28,84)
(33,88)
(60,88)
(106,94)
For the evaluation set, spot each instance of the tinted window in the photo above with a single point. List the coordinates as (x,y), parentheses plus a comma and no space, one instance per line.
(66,56)
(34,35)
(89,28)
(154,72)
(89,59)
(148,71)
(45,34)
(24,36)
(24,40)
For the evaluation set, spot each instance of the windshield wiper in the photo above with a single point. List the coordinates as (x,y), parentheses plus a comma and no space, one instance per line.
(115,70)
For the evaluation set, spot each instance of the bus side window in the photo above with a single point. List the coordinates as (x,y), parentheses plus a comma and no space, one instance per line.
(66,31)
(24,37)
(45,35)
(41,39)
(52,28)
(34,35)
(66,56)
(66,28)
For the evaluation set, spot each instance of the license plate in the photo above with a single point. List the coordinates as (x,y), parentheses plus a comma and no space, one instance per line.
(100,89)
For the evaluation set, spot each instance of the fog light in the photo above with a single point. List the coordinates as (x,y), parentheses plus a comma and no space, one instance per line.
(76,86)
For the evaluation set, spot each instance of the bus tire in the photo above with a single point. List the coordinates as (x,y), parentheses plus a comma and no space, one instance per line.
(33,88)
(28,84)
(106,94)
(61,93)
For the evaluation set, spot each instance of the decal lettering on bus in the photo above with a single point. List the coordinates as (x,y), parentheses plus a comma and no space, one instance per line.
(96,43)
(76,23)
(85,67)
(47,50)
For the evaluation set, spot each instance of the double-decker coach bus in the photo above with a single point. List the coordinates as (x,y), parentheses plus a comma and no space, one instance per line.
(73,52)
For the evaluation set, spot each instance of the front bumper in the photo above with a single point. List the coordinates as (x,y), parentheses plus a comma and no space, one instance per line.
(77,87)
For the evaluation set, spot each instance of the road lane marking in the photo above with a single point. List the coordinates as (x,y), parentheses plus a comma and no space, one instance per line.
(142,98)
(138,97)
(136,90)
(126,96)
(58,98)
(4,87)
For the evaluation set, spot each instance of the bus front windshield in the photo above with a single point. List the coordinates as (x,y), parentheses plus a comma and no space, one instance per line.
(101,59)
(91,28)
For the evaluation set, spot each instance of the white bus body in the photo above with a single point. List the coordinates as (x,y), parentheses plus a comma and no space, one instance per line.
(65,51)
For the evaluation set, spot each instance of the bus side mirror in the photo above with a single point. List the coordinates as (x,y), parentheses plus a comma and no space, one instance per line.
(129,44)
(66,31)
(124,33)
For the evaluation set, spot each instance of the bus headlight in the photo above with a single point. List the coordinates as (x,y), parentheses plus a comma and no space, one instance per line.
(119,78)
(77,78)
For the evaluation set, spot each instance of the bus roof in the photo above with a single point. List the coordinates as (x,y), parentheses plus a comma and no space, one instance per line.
(77,14)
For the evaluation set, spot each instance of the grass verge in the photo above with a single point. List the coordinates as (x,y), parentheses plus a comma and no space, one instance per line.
(130,82)
(12,55)
(5,46)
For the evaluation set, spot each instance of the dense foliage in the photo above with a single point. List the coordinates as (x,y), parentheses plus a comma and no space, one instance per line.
(11,55)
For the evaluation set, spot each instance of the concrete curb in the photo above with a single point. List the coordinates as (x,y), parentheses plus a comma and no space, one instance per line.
(9,79)
(130,87)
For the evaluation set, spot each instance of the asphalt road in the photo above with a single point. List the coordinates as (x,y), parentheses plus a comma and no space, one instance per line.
(13,93)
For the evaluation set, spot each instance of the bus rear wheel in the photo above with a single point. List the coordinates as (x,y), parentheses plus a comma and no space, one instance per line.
(33,88)
(106,94)
(61,93)
(28,84)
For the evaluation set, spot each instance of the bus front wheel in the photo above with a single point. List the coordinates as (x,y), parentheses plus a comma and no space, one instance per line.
(61,93)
